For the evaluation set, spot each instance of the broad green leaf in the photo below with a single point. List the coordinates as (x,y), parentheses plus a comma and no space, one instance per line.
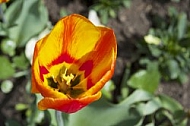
(182,25)
(140,107)
(28,22)
(146,79)
(102,113)
(170,104)
(6,69)
(151,106)
(12,13)
(6,86)
(137,96)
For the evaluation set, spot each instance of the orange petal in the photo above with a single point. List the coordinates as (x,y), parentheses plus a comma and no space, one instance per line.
(69,40)
(67,105)
(3,1)
(81,36)
(39,85)
(99,64)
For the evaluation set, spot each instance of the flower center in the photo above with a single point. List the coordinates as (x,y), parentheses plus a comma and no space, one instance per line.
(65,82)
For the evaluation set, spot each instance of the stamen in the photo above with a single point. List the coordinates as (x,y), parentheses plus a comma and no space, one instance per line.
(67,78)
(65,82)
(54,79)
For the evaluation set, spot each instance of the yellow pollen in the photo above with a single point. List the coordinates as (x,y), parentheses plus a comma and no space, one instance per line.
(65,81)
(67,78)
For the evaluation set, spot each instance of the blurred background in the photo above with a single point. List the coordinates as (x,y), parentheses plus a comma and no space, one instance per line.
(150,85)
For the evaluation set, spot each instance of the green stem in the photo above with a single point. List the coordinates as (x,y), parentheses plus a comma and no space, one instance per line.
(59,118)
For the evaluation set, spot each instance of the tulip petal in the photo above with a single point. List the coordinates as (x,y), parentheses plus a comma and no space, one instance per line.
(69,40)
(39,85)
(67,105)
(3,1)
(100,63)
(80,37)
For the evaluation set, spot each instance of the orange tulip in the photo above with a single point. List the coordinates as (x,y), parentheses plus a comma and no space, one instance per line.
(3,1)
(72,63)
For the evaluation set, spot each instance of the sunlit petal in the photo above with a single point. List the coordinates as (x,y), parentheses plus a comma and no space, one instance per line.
(67,105)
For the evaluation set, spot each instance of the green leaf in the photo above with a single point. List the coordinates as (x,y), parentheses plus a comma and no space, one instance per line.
(21,106)
(170,104)
(35,116)
(182,25)
(173,68)
(155,51)
(176,112)
(63,12)
(8,47)
(104,16)
(3,29)
(21,62)
(28,22)
(102,113)
(6,86)
(13,12)
(107,89)
(183,78)
(52,117)
(146,79)
(112,13)
(137,96)
(151,106)
(127,3)
(6,69)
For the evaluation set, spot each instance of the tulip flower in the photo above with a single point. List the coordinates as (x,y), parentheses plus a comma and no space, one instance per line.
(72,63)
(3,1)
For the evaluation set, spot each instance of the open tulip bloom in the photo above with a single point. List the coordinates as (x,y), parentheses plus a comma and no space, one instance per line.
(72,63)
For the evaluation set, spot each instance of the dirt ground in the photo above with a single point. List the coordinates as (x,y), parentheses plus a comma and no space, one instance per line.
(130,25)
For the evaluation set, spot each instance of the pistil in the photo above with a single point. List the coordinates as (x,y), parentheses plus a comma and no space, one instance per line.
(65,82)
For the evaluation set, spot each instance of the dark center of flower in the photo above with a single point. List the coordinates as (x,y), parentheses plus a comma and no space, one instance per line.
(65,82)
